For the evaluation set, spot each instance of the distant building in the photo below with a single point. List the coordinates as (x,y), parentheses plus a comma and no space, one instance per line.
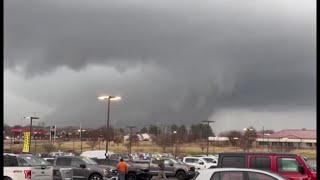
(294,138)
(36,132)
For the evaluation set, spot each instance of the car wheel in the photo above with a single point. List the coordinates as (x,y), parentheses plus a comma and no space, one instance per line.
(7,178)
(131,176)
(95,177)
(181,175)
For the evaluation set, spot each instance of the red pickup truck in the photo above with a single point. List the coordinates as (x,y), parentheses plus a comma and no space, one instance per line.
(292,166)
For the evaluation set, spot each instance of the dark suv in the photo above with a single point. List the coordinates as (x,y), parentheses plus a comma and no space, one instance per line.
(85,168)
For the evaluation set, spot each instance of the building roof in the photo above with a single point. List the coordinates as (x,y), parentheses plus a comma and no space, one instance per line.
(295,134)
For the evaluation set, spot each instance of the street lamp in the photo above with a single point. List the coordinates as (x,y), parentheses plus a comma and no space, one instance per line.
(80,131)
(208,135)
(108,99)
(130,138)
(267,134)
(173,133)
(248,129)
(31,118)
(236,138)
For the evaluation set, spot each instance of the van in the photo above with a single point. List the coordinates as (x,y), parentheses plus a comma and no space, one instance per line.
(99,154)
(200,162)
(292,166)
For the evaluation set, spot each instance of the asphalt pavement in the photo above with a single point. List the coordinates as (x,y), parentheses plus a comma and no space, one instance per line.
(156,178)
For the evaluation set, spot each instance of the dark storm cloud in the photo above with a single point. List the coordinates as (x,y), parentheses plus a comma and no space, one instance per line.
(214,54)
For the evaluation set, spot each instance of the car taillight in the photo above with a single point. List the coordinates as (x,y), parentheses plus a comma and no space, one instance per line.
(27,174)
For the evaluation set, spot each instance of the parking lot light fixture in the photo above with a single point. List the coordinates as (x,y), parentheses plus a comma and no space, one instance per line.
(108,99)
(248,129)
(235,138)
(268,134)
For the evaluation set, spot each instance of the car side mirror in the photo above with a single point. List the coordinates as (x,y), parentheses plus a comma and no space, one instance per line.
(305,158)
(300,169)
(171,164)
(201,163)
(83,166)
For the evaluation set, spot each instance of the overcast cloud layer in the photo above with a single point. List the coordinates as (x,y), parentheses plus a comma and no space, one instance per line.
(237,63)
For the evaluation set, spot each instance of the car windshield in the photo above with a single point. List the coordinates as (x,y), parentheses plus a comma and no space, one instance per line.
(34,160)
(89,161)
(174,161)
(208,160)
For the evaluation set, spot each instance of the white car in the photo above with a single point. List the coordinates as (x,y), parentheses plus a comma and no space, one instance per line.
(236,173)
(201,162)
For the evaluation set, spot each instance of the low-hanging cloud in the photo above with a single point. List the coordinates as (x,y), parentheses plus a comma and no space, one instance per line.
(204,56)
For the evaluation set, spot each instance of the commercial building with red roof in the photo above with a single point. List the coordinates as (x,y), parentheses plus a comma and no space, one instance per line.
(297,138)
(37,133)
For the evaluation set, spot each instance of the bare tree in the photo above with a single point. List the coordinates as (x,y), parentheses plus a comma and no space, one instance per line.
(135,139)
(232,135)
(162,141)
(118,140)
(92,142)
(202,146)
(49,147)
(59,143)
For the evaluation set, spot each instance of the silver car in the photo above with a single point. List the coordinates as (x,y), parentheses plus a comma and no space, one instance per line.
(237,173)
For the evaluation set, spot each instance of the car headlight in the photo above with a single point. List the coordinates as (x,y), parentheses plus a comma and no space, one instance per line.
(105,171)
(113,171)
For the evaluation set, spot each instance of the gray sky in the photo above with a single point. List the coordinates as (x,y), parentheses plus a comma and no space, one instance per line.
(237,63)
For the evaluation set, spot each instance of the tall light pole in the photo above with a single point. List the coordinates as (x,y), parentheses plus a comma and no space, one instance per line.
(208,135)
(20,130)
(80,133)
(236,138)
(248,129)
(108,99)
(267,134)
(31,118)
(130,138)
(173,138)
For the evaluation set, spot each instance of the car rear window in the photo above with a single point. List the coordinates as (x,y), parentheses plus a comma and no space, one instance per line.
(263,163)
(63,161)
(229,175)
(233,161)
(10,161)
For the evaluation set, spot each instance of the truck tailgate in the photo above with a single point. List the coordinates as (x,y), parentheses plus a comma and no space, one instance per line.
(42,173)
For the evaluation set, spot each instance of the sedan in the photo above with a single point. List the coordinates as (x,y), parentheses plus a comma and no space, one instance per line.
(236,173)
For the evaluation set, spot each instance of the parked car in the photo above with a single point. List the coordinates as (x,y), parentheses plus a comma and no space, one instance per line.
(85,168)
(289,165)
(59,153)
(20,167)
(237,173)
(135,172)
(173,168)
(200,162)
